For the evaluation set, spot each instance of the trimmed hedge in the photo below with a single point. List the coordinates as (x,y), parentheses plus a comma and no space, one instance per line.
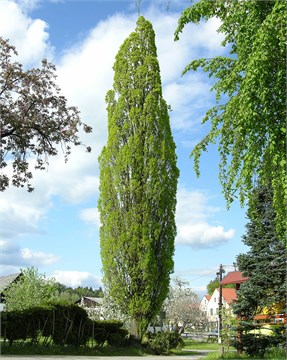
(66,325)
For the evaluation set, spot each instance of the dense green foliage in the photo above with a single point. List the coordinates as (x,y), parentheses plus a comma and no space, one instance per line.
(31,289)
(69,294)
(63,324)
(257,345)
(34,289)
(163,342)
(214,284)
(60,325)
(265,266)
(265,262)
(34,119)
(249,119)
(138,181)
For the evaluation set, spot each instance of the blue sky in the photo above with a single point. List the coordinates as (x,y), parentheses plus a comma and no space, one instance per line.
(56,227)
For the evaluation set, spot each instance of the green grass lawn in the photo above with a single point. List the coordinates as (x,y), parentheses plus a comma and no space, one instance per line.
(273,354)
(20,348)
(189,345)
(199,345)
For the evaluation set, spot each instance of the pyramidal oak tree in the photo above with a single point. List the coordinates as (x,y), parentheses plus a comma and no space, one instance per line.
(138,182)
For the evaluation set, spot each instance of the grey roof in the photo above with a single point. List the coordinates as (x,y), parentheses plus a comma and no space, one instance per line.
(7,280)
(95,299)
(92,299)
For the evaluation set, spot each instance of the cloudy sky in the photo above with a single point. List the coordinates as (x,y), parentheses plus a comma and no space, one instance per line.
(56,227)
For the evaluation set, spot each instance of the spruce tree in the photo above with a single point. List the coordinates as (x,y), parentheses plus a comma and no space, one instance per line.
(265,262)
(138,182)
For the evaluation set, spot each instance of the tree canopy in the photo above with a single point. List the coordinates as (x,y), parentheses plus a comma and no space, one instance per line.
(138,181)
(34,118)
(265,262)
(30,290)
(249,119)
(182,307)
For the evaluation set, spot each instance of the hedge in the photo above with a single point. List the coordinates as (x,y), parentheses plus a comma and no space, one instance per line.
(66,325)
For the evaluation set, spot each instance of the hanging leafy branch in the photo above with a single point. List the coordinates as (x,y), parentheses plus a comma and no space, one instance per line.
(249,119)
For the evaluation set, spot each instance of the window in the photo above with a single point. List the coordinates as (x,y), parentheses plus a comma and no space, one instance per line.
(211,311)
(215,299)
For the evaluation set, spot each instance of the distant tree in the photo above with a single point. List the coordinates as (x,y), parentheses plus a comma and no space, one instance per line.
(68,294)
(32,289)
(265,263)
(138,181)
(212,285)
(249,119)
(34,118)
(182,306)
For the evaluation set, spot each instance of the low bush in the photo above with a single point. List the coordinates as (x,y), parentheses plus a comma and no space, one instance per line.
(111,332)
(163,342)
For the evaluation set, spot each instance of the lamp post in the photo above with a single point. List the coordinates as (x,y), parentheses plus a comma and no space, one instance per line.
(219,274)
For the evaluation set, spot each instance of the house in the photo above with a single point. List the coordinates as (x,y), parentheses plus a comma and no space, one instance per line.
(210,305)
(204,303)
(234,277)
(5,282)
(93,306)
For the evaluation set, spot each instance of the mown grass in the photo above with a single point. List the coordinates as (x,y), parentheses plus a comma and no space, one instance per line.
(199,345)
(189,345)
(272,354)
(20,348)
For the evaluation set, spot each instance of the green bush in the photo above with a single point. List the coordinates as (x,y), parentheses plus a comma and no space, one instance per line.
(163,342)
(66,324)
(111,332)
(254,345)
(62,324)
(71,325)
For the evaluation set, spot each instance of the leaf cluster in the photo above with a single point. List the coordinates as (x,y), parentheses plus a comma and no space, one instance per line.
(30,290)
(35,119)
(249,119)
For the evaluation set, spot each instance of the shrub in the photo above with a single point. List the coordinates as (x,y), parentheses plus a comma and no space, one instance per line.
(254,345)
(111,331)
(71,325)
(163,342)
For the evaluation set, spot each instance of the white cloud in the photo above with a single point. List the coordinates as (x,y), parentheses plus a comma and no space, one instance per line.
(27,5)
(77,278)
(30,36)
(38,258)
(91,215)
(12,254)
(193,229)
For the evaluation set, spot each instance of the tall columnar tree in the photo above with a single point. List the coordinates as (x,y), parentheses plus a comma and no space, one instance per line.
(138,182)
(249,119)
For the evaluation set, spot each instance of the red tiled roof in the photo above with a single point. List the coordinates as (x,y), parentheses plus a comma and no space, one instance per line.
(233,277)
(229,294)
(208,297)
(261,317)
